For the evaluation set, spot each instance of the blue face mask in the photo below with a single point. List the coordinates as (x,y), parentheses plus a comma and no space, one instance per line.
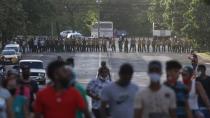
(154,77)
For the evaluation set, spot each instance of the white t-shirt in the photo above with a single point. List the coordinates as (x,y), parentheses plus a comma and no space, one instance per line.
(155,104)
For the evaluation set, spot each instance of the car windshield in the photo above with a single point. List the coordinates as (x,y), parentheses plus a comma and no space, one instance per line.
(8,53)
(33,65)
(11,48)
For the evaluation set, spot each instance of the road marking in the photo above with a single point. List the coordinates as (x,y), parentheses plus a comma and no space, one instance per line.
(159,58)
(99,60)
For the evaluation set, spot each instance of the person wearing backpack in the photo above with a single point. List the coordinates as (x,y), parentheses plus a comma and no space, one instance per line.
(27,87)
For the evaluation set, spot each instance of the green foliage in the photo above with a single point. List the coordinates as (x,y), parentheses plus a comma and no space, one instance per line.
(186,18)
(12,17)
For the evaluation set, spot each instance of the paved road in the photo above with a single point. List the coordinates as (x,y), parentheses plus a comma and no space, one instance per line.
(87,63)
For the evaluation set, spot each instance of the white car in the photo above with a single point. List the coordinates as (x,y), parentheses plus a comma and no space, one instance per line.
(9,56)
(15,47)
(37,70)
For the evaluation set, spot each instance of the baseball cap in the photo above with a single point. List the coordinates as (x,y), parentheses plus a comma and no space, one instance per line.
(187,69)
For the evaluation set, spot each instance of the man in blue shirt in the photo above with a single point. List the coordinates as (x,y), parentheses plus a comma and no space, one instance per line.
(172,72)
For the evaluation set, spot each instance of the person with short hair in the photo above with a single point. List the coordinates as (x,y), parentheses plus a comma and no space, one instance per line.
(156,100)
(173,69)
(194,60)
(104,66)
(94,90)
(204,79)
(18,103)
(119,95)
(59,100)
(28,87)
(70,66)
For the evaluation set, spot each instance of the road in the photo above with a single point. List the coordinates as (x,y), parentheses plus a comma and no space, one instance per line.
(87,64)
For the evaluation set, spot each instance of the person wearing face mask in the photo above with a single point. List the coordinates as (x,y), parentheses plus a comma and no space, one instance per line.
(195,89)
(204,79)
(59,100)
(120,95)
(94,89)
(156,100)
(18,103)
(173,69)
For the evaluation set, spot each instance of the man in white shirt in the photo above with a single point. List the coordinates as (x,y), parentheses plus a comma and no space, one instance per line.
(155,101)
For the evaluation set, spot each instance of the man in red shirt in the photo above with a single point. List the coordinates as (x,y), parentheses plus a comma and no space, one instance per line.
(59,100)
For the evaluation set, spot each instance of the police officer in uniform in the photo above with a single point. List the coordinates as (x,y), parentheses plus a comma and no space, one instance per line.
(139,45)
(143,45)
(164,44)
(133,45)
(113,45)
(120,44)
(126,45)
(169,45)
(148,45)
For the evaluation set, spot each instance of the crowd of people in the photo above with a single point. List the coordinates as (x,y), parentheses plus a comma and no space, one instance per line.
(123,44)
(185,96)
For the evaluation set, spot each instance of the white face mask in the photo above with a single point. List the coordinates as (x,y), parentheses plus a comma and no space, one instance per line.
(199,73)
(154,77)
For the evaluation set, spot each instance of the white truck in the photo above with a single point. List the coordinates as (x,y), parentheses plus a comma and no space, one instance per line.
(37,70)
(104,29)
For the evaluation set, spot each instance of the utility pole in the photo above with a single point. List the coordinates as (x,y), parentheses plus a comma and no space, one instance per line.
(52,29)
(99,15)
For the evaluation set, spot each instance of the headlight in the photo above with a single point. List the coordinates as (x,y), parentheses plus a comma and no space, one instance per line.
(42,74)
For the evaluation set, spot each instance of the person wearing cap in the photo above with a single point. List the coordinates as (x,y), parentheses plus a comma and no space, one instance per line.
(156,100)
(173,69)
(195,89)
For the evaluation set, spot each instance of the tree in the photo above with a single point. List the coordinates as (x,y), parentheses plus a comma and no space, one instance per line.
(186,18)
(12,19)
(39,16)
(198,25)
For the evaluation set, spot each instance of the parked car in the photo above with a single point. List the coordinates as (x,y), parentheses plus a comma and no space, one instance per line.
(9,57)
(37,70)
(15,47)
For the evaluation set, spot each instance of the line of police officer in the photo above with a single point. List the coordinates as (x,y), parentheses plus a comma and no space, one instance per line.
(103,44)
(155,45)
